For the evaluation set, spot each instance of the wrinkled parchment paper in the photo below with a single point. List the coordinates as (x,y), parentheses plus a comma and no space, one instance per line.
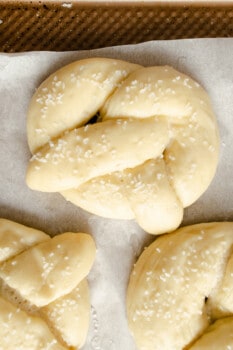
(210,62)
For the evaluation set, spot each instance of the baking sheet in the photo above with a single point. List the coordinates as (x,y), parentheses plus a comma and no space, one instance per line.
(210,62)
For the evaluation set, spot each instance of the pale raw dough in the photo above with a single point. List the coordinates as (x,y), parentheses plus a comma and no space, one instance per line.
(180,284)
(56,267)
(218,336)
(20,331)
(71,95)
(43,284)
(70,315)
(153,117)
(14,238)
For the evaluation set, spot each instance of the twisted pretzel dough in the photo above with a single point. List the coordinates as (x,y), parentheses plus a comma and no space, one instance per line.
(181,284)
(44,296)
(153,151)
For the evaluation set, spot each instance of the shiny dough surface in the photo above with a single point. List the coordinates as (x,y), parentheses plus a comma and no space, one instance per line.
(152,151)
(44,294)
(180,290)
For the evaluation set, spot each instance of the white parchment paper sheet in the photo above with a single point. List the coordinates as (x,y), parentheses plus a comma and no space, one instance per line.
(210,62)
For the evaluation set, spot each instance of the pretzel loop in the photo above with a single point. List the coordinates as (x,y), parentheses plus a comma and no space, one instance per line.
(149,119)
(180,290)
(44,294)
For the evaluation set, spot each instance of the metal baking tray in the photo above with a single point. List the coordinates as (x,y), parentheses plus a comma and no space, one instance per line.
(77,25)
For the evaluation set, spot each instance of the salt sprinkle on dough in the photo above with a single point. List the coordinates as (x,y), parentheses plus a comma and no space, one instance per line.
(180,285)
(21,331)
(44,294)
(148,119)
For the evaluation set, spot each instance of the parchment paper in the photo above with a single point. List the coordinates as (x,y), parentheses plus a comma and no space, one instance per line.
(210,62)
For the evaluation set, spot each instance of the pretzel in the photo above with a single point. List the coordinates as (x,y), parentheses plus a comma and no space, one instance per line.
(151,152)
(180,290)
(44,295)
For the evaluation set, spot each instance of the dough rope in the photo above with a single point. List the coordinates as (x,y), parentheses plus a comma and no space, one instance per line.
(44,295)
(180,290)
(152,152)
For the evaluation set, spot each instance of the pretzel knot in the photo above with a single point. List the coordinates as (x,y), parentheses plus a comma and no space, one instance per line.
(151,151)
(180,290)
(44,294)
